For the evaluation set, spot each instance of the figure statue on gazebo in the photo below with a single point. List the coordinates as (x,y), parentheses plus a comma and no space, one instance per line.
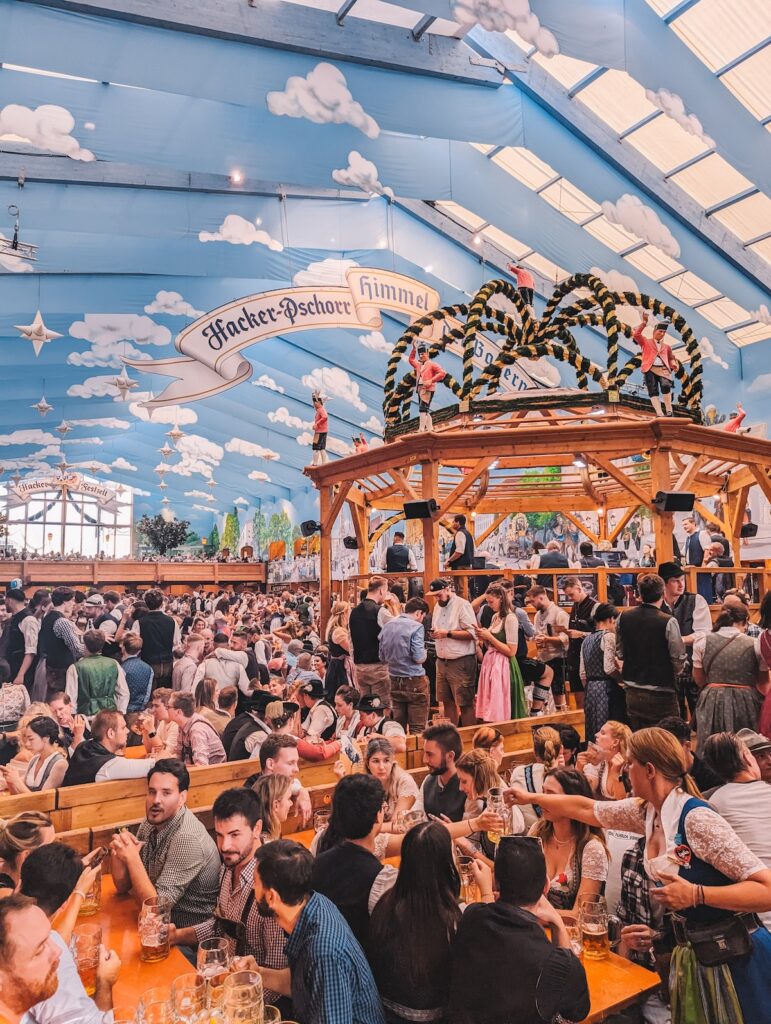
(320,428)
(658,364)
(427,375)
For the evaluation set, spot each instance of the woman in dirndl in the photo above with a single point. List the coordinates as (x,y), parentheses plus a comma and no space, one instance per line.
(703,881)
(501,690)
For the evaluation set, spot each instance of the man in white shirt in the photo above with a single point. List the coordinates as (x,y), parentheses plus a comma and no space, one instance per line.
(453,625)
(319,723)
(102,758)
(224,666)
(551,639)
(185,668)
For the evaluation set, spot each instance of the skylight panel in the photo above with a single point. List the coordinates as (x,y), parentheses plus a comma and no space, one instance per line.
(506,243)
(548,270)
(385,13)
(461,215)
(568,71)
(689,288)
(663,7)
(666,144)
(612,235)
(653,262)
(748,218)
(524,165)
(750,82)
(723,313)
(443,27)
(750,334)
(763,249)
(711,180)
(482,147)
(564,196)
(719,31)
(617,99)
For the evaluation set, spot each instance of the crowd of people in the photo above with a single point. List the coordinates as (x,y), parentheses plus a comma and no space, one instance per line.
(497,861)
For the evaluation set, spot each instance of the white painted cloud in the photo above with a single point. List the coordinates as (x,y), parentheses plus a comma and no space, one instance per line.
(334,444)
(197,455)
(248,448)
(238,230)
(542,371)
(761,384)
(12,263)
(46,127)
(93,466)
(29,437)
(83,440)
(182,415)
(707,350)
(264,381)
(102,386)
(108,354)
(240,501)
(763,314)
(633,215)
(327,273)
(283,415)
(674,107)
(203,495)
(109,422)
(207,508)
(334,382)
(373,424)
(111,336)
(172,304)
(121,463)
(323,97)
(375,342)
(361,173)
(618,282)
(501,15)
(258,475)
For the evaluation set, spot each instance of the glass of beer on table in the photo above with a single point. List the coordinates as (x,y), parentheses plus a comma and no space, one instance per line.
(242,998)
(85,946)
(154,921)
(593,919)
(155,1006)
(469,890)
(189,999)
(92,901)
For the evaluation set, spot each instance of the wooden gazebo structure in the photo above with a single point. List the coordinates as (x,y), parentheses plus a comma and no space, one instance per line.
(568,449)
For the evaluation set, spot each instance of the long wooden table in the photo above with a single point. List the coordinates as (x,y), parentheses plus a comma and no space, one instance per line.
(613,983)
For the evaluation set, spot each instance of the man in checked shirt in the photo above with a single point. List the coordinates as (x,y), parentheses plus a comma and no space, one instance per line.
(236,916)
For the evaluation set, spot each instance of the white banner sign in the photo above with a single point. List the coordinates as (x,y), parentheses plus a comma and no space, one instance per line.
(26,490)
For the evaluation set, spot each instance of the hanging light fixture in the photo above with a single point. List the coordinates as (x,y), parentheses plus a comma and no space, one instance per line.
(42,406)
(162,485)
(175,433)
(124,384)
(63,429)
(166,450)
(37,333)
(162,468)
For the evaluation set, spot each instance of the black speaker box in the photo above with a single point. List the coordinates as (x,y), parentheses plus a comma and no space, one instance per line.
(420,509)
(674,501)
(749,530)
(309,527)
(351,543)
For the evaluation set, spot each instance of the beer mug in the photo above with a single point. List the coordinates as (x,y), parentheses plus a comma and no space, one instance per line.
(321,819)
(496,803)
(188,999)
(154,1006)
(242,1001)
(85,946)
(469,890)
(593,919)
(213,960)
(92,902)
(154,921)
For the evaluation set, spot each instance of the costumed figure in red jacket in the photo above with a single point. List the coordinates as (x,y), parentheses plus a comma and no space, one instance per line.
(658,364)
(427,375)
(320,428)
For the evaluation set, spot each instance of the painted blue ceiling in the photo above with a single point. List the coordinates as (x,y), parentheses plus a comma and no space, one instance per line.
(149,170)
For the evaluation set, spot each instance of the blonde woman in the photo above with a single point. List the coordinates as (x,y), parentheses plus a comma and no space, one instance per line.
(489,739)
(604,763)
(274,793)
(19,836)
(576,855)
(340,667)
(206,704)
(400,788)
(547,748)
(477,775)
(699,868)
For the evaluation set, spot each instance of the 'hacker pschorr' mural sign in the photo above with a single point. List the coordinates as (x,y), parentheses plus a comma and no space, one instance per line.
(25,490)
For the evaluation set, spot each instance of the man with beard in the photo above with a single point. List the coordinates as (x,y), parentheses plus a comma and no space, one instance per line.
(328,977)
(440,794)
(29,958)
(100,759)
(238,828)
(452,626)
(172,854)
(580,625)
(693,618)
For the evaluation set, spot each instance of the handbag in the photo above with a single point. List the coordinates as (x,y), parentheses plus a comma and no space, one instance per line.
(721,942)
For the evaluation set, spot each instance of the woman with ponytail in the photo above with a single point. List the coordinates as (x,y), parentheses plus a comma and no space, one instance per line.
(19,836)
(547,747)
(701,875)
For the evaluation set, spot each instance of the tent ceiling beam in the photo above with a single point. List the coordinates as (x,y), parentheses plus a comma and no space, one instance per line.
(552,97)
(317,33)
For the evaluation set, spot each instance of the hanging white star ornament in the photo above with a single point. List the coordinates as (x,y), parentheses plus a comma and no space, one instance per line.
(163,485)
(63,465)
(212,483)
(64,428)
(165,501)
(166,450)
(210,497)
(37,333)
(42,406)
(16,477)
(175,433)
(124,384)
(162,468)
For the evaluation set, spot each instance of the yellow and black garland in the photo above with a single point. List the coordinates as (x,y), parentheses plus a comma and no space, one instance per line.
(530,338)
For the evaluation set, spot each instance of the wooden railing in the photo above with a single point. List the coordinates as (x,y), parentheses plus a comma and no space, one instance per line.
(119,573)
(89,814)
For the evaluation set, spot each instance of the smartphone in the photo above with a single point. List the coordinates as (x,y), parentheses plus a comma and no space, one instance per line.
(101,853)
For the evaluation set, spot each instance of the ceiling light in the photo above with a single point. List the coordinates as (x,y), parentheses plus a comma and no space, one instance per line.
(579,462)
(477,239)
(598,410)
(236,177)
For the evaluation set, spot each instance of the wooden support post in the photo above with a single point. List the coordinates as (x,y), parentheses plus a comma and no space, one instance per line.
(429,487)
(360,518)
(663,522)
(325,556)
(737,504)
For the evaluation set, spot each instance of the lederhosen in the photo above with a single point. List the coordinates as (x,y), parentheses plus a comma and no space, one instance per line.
(236,930)
(688,691)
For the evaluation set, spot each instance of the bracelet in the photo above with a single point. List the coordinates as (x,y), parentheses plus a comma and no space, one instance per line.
(471,830)
(702,901)
(79,892)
